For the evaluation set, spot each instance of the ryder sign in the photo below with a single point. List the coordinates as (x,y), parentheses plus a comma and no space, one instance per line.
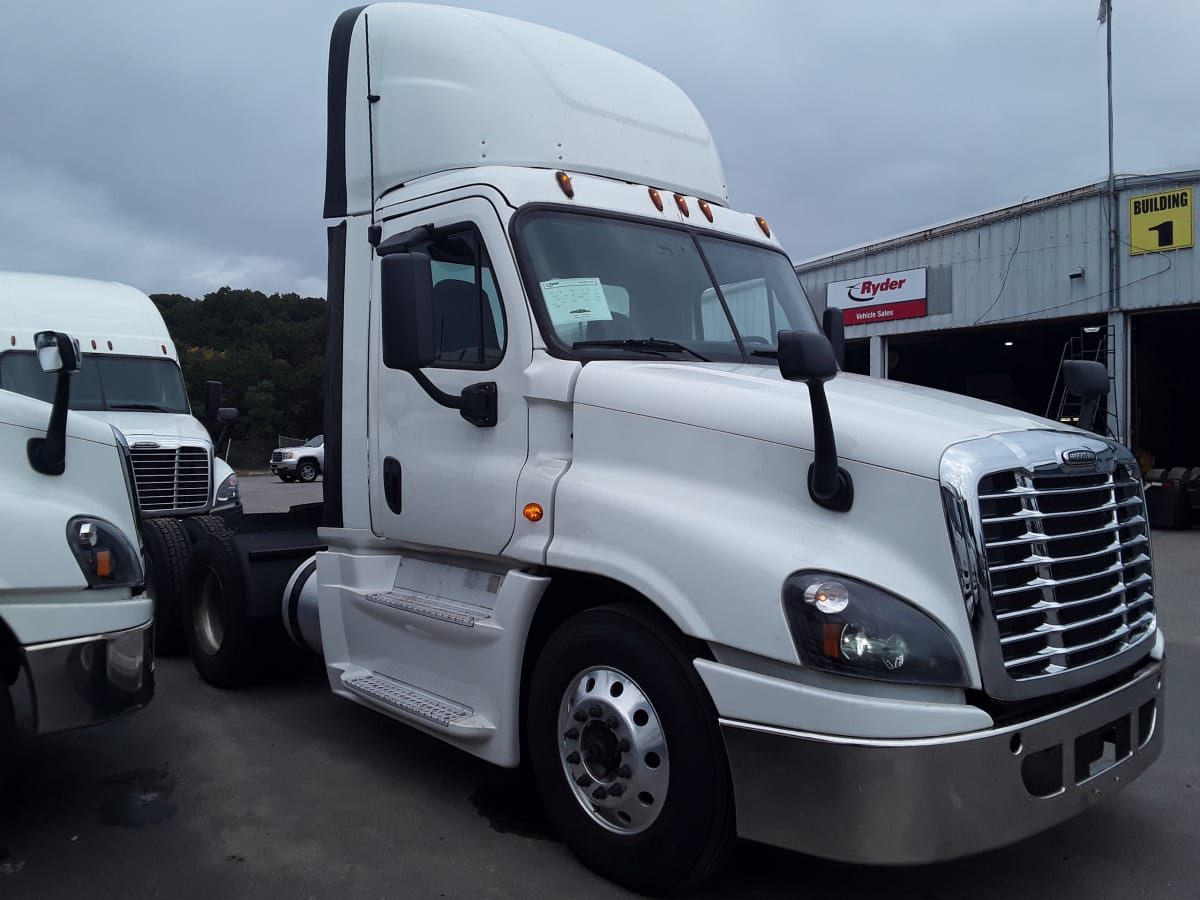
(879,298)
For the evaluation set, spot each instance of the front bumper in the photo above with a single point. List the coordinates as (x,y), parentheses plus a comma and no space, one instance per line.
(87,680)
(283,465)
(897,802)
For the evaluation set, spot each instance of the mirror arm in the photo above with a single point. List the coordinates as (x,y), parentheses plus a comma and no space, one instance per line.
(48,455)
(829,484)
(477,402)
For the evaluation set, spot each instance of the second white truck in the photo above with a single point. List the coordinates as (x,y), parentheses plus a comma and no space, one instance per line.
(598,501)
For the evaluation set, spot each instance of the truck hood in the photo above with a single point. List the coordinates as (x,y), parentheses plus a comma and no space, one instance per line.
(152,426)
(876,422)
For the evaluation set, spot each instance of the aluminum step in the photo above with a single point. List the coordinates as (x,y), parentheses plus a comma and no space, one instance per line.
(416,702)
(440,608)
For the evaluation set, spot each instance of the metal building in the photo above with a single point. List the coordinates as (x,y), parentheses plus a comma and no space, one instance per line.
(990,305)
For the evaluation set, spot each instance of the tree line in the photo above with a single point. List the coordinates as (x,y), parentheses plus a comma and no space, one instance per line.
(267,350)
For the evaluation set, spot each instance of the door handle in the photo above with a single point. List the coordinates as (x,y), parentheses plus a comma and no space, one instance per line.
(392,483)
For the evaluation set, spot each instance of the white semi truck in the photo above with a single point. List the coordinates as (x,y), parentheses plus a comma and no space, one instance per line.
(597,500)
(75,623)
(131,380)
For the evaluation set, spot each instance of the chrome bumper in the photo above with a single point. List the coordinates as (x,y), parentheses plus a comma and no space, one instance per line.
(83,681)
(918,801)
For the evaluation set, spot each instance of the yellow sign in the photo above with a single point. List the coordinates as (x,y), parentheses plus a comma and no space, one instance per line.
(1160,221)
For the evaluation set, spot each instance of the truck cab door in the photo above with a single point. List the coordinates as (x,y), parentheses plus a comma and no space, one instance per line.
(437,480)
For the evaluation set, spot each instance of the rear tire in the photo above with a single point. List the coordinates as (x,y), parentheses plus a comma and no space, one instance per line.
(614,700)
(220,636)
(166,562)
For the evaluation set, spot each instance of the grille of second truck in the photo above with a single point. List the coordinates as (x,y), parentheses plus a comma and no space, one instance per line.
(1068,559)
(171,478)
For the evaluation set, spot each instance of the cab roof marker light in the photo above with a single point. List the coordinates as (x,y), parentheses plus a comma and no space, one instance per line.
(706,209)
(564,182)
(762,224)
(681,202)
(656,199)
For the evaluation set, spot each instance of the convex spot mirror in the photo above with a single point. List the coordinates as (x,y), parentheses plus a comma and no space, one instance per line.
(56,352)
(806,356)
(1085,378)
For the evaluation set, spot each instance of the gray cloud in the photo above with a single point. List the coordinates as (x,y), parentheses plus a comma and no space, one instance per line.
(179,146)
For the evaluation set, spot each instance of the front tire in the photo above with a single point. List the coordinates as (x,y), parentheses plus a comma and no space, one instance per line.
(307,471)
(220,637)
(626,752)
(166,561)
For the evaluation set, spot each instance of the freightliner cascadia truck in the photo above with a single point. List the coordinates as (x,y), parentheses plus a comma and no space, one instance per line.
(598,501)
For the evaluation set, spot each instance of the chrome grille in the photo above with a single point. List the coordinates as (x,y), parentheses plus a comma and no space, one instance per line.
(276,456)
(171,479)
(1068,561)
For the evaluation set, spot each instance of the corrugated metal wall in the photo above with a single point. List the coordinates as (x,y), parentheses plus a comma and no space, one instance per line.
(1014,265)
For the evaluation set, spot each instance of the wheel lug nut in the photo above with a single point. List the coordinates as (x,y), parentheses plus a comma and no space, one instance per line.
(573,757)
(612,722)
(623,772)
(623,746)
(571,734)
(594,711)
(580,715)
(583,781)
(616,790)
(600,793)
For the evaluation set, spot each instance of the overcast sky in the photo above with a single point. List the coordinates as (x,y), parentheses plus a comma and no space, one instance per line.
(179,146)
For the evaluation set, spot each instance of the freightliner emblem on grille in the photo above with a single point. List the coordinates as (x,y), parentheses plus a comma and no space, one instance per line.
(146,445)
(1079,456)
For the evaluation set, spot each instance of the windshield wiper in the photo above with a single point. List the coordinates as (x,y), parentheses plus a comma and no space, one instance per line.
(148,407)
(646,345)
(770,354)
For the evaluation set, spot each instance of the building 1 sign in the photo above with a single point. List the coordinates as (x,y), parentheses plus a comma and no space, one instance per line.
(880,298)
(1160,222)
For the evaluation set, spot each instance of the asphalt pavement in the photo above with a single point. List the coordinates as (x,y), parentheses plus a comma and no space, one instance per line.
(283,790)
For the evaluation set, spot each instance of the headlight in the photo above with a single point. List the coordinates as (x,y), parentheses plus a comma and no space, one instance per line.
(228,491)
(289,454)
(104,553)
(844,626)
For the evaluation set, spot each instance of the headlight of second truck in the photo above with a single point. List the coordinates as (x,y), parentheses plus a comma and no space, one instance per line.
(844,626)
(104,553)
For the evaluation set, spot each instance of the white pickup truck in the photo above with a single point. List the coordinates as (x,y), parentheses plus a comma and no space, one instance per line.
(597,499)
(75,623)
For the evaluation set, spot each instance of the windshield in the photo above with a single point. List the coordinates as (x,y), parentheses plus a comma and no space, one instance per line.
(102,382)
(645,289)
(315,442)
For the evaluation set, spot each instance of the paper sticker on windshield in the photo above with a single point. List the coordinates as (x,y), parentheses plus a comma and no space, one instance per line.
(575,300)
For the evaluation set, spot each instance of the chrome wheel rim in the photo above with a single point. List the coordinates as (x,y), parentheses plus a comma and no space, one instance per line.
(613,750)
(208,620)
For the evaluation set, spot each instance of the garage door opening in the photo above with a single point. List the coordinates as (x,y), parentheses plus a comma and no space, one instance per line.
(1014,365)
(1166,381)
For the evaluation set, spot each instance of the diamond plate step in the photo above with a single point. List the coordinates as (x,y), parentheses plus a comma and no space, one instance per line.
(409,699)
(434,607)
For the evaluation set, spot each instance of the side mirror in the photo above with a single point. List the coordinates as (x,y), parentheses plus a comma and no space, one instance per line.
(227,415)
(212,399)
(833,323)
(406,308)
(57,353)
(808,357)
